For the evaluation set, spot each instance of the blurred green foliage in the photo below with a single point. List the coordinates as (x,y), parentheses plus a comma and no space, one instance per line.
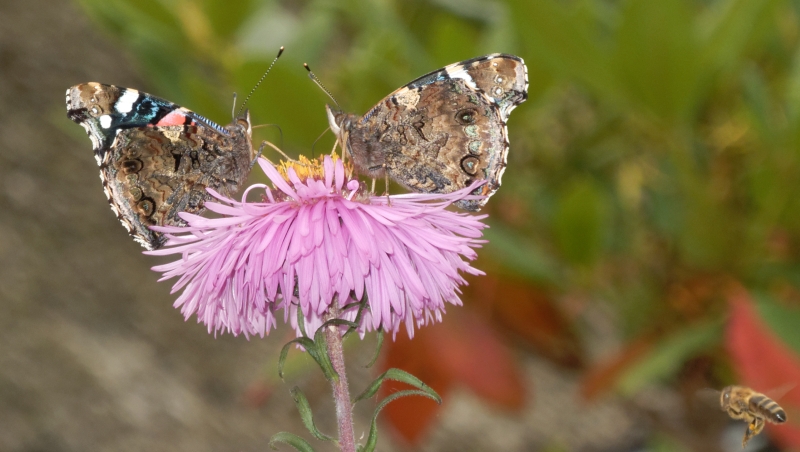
(656,161)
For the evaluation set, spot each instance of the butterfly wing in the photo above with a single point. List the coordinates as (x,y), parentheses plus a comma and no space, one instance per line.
(501,77)
(157,159)
(444,130)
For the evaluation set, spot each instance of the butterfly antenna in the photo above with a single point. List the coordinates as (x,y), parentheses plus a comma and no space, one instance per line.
(321,86)
(320,136)
(260,80)
(279,151)
(233,110)
(280,131)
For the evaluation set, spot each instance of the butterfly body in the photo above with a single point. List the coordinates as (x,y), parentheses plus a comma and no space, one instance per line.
(157,159)
(443,131)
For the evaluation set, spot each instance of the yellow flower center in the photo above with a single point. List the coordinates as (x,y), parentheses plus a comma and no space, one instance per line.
(313,168)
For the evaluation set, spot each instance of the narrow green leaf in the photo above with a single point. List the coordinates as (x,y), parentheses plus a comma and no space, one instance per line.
(378,346)
(665,359)
(350,306)
(362,305)
(401,376)
(338,322)
(305,342)
(301,322)
(316,349)
(306,415)
(323,359)
(372,439)
(290,439)
(322,344)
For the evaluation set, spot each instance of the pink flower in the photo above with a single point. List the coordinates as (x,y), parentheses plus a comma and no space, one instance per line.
(319,237)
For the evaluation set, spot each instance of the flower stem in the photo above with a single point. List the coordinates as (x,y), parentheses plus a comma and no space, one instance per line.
(341,392)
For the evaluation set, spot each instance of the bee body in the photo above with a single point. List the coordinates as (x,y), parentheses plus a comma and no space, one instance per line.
(753,407)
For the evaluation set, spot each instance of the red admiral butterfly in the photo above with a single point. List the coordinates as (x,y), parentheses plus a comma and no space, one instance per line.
(156,158)
(441,132)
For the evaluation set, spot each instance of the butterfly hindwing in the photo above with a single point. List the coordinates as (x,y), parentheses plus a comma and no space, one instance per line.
(443,131)
(157,159)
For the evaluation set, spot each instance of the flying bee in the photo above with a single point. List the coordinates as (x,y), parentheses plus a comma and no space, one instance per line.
(753,407)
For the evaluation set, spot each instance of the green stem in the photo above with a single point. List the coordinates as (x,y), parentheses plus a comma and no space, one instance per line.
(341,392)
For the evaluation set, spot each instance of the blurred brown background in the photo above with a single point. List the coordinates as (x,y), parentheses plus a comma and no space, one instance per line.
(648,228)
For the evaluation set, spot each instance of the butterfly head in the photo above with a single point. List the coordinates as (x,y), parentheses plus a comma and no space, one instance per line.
(241,131)
(242,123)
(340,123)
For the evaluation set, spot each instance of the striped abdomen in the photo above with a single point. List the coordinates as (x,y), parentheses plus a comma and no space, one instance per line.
(759,403)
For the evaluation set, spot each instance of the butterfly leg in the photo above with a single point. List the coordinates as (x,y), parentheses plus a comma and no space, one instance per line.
(386,179)
(344,155)
(344,150)
(278,150)
(258,154)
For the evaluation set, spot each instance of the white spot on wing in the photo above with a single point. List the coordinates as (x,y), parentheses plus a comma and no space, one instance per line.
(125,102)
(500,174)
(459,71)
(92,136)
(525,71)
(173,133)
(105,121)
(407,97)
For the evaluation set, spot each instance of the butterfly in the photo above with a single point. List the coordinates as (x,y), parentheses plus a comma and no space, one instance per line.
(156,158)
(443,131)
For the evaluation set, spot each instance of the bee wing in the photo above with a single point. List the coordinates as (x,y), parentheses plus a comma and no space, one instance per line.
(707,397)
(779,392)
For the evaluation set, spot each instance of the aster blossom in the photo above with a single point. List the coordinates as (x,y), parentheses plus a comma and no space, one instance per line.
(319,237)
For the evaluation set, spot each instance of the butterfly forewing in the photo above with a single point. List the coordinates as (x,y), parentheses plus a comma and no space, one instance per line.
(157,159)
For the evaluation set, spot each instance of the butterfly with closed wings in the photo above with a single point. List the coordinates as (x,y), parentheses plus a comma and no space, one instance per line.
(157,159)
(443,131)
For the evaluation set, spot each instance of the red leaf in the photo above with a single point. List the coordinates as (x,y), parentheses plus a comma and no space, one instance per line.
(764,362)
(528,313)
(412,416)
(462,350)
(602,377)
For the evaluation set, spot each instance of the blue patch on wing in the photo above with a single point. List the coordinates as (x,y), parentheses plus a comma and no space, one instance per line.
(429,78)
